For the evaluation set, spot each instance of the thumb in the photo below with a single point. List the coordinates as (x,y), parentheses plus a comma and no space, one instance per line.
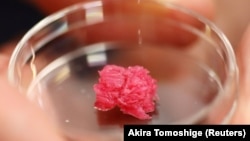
(242,114)
(19,119)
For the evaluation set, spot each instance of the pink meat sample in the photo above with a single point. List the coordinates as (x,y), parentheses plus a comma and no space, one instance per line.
(131,89)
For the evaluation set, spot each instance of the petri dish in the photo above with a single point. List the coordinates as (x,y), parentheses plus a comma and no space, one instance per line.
(56,64)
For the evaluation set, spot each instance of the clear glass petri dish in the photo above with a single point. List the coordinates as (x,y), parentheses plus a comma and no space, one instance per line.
(56,64)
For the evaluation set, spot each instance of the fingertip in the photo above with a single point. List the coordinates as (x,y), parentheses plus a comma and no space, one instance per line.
(243,60)
(242,53)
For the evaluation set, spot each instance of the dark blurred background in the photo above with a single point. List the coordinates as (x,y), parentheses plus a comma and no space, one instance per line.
(16,18)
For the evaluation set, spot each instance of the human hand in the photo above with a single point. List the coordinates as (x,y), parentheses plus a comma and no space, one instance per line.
(23,121)
(20,119)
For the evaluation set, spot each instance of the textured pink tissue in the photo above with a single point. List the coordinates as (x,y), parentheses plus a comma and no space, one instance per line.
(131,89)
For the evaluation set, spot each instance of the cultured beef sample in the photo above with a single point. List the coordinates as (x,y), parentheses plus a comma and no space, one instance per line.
(131,89)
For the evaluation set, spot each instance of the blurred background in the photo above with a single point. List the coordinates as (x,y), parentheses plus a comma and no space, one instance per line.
(18,16)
